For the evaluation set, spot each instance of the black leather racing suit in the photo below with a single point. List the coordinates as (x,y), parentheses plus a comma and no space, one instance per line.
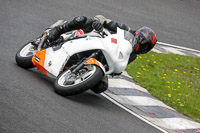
(84,23)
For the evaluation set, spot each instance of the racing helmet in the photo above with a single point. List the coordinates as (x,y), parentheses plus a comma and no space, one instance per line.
(144,40)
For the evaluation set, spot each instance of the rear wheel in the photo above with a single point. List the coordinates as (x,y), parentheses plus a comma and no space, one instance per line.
(24,56)
(69,83)
(101,86)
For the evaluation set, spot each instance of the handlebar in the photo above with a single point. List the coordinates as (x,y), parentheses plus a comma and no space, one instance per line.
(103,33)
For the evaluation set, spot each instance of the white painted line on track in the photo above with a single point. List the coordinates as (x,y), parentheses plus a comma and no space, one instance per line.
(121,83)
(125,73)
(180,47)
(196,54)
(133,113)
(173,50)
(146,101)
(155,50)
(174,123)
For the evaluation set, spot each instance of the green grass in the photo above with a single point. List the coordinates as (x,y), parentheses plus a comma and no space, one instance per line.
(174,79)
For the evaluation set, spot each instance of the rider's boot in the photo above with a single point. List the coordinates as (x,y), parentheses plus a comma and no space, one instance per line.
(36,42)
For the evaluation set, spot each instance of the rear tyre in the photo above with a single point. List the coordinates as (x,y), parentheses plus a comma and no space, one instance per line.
(24,56)
(69,83)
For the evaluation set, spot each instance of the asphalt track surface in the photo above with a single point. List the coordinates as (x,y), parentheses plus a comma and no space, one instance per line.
(27,99)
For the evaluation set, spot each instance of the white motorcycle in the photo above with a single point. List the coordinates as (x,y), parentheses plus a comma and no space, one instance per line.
(80,61)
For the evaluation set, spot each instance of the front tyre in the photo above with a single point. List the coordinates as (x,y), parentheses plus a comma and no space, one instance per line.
(24,56)
(69,83)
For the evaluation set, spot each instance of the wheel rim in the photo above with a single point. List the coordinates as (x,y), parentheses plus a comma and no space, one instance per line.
(28,50)
(70,79)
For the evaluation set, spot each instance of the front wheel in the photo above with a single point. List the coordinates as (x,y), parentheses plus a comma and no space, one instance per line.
(69,83)
(24,56)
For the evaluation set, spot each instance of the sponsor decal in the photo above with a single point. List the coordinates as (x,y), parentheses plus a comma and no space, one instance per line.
(50,63)
(79,32)
(113,40)
(36,58)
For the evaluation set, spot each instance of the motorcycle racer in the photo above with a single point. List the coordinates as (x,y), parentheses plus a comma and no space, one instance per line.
(40,52)
(144,38)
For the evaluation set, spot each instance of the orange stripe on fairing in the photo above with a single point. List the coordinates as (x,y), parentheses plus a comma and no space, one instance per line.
(40,64)
(92,61)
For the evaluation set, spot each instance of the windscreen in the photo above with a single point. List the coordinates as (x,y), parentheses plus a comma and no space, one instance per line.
(130,37)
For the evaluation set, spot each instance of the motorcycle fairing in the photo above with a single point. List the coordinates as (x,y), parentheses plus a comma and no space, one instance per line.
(50,62)
(95,62)
(39,59)
(116,54)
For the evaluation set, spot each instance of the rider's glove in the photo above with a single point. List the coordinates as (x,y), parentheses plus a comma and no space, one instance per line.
(97,25)
(53,34)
